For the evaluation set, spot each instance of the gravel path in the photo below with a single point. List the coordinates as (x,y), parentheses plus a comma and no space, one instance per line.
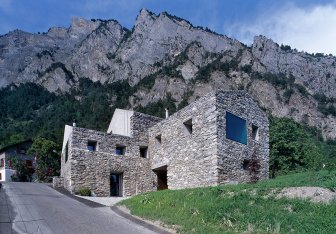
(106,201)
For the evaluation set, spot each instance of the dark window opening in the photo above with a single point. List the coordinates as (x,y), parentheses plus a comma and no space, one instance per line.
(143,151)
(2,162)
(162,178)
(0,176)
(246,164)
(255,133)
(66,154)
(120,150)
(10,163)
(116,184)
(92,145)
(188,126)
(236,128)
(158,139)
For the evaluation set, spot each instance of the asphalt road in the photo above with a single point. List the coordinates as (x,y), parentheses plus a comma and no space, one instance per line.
(37,208)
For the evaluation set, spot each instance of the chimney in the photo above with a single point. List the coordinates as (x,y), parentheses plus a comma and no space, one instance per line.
(167,113)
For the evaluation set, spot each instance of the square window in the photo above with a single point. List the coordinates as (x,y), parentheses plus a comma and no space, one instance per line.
(158,139)
(92,145)
(246,164)
(120,150)
(236,128)
(188,126)
(255,133)
(143,151)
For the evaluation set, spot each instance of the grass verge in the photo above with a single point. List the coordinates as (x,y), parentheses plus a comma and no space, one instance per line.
(249,208)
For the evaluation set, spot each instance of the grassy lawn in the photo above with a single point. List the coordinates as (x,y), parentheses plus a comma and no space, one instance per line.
(250,208)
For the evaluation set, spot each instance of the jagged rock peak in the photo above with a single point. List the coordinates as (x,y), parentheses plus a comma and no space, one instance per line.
(82,26)
(262,41)
(145,19)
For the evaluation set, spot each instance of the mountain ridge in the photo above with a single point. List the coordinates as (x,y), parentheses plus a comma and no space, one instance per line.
(165,55)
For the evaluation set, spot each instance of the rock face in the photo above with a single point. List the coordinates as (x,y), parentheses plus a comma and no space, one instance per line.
(317,74)
(186,62)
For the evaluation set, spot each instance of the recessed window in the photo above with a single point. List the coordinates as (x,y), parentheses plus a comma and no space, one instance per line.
(143,151)
(92,145)
(236,128)
(2,162)
(246,164)
(66,152)
(120,150)
(255,132)
(188,126)
(0,176)
(158,139)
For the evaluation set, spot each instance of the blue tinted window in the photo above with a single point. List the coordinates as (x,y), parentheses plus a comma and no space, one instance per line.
(236,128)
(120,150)
(92,145)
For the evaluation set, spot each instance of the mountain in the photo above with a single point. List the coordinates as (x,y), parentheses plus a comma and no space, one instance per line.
(165,60)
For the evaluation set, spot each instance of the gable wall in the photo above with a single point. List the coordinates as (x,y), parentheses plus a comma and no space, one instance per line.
(231,153)
(191,158)
(91,169)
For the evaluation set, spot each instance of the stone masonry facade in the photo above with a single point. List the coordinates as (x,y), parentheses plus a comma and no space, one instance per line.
(188,149)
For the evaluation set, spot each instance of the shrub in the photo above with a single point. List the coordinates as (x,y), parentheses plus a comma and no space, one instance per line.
(247,68)
(85,192)
(285,47)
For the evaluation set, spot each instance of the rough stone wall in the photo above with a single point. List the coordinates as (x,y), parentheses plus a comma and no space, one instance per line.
(191,158)
(201,157)
(58,182)
(92,169)
(139,125)
(231,153)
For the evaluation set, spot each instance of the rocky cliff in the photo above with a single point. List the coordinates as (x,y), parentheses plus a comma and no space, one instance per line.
(165,55)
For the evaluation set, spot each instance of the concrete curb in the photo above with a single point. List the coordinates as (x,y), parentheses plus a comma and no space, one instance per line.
(139,221)
(82,200)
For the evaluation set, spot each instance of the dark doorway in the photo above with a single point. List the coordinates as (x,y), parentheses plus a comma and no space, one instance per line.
(116,185)
(161,174)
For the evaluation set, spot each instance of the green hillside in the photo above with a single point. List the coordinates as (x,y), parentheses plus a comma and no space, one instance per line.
(244,208)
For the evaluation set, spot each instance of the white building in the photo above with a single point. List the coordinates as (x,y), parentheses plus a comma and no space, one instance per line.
(16,151)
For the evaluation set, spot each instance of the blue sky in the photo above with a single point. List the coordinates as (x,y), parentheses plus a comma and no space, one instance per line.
(308,25)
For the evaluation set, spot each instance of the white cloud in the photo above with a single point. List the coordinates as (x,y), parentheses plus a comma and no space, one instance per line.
(312,30)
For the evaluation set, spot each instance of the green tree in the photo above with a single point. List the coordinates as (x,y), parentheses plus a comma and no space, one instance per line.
(293,147)
(48,158)
(22,172)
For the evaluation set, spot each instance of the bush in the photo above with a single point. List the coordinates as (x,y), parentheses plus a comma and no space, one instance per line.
(85,192)
(296,147)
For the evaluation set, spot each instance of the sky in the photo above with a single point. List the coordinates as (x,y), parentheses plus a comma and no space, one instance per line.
(307,25)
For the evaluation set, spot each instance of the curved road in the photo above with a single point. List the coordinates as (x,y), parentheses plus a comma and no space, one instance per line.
(37,208)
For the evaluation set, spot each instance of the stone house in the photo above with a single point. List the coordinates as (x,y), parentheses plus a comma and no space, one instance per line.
(220,138)
(13,152)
